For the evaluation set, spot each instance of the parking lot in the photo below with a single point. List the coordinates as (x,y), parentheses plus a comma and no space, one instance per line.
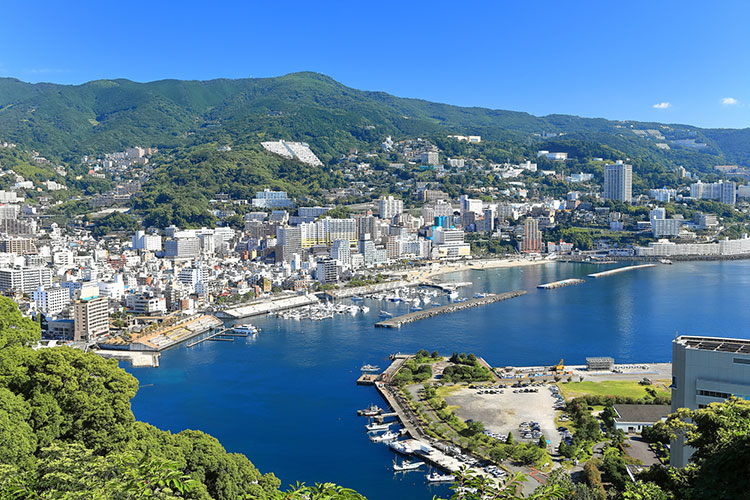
(503,410)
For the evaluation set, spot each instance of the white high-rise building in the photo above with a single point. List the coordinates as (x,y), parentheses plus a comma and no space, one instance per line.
(341,251)
(618,182)
(149,242)
(390,207)
(24,280)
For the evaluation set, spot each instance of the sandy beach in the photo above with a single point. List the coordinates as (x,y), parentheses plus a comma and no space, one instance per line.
(474,265)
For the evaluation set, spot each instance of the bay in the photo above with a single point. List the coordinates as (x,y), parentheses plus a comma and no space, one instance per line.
(288,398)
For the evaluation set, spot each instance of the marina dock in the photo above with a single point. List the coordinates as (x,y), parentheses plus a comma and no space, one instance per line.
(448,308)
(225,335)
(368,289)
(561,283)
(619,270)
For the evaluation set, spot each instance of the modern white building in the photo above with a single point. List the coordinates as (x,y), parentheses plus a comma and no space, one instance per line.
(663,195)
(24,280)
(272,199)
(449,242)
(390,207)
(148,242)
(722,191)
(51,300)
(618,182)
(706,370)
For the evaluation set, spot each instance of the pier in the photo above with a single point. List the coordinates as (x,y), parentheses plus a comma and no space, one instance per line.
(620,270)
(448,308)
(561,283)
(223,335)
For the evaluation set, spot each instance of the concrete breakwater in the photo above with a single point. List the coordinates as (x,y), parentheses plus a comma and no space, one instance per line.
(619,270)
(448,308)
(561,283)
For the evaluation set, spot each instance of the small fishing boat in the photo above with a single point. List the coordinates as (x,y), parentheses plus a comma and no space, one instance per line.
(407,465)
(370,411)
(435,477)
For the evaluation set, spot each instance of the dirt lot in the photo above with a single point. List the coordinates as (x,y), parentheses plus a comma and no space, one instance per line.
(503,413)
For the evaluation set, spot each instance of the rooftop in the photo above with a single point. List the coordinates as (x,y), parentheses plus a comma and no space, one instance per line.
(641,413)
(715,344)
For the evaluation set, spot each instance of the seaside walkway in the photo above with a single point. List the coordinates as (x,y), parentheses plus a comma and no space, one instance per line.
(448,308)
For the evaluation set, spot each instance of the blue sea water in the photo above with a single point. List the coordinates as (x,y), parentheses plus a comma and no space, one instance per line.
(288,398)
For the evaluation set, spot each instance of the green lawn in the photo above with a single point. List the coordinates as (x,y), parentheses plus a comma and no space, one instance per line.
(626,388)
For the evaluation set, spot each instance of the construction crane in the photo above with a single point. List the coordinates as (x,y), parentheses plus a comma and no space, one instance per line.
(559,366)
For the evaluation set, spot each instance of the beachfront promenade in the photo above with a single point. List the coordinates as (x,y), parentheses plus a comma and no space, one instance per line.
(448,308)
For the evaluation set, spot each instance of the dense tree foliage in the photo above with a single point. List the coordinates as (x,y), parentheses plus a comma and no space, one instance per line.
(67,431)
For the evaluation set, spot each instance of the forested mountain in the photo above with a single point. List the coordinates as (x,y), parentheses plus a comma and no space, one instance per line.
(65,121)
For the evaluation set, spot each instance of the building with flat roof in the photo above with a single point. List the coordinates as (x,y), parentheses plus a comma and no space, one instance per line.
(600,363)
(706,370)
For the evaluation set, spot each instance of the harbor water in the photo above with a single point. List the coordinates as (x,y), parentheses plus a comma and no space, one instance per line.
(288,400)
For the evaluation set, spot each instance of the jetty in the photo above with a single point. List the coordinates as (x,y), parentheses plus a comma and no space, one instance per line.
(561,283)
(223,335)
(448,308)
(620,270)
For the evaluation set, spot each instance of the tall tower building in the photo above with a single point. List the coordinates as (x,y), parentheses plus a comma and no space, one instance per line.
(532,236)
(618,182)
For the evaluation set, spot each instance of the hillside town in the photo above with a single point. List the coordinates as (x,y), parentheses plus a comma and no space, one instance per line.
(87,287)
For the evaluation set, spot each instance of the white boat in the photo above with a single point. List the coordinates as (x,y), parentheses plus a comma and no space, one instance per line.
(385,437)
(369,368)
(404,465)
(453,295)
(364,309)
(373,427)
(434,477)
(370,411)
(385,314)
(399,447)
(245,329)
(415,308)
(665,261)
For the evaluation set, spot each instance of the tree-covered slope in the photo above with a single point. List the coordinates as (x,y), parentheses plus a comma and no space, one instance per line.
(107,115)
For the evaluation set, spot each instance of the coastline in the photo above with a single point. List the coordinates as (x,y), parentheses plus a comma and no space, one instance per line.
(476,265)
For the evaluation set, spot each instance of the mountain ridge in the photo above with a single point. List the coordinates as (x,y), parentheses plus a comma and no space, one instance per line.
(108,114)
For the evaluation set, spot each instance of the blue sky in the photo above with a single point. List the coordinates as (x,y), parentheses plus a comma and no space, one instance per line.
(667,61)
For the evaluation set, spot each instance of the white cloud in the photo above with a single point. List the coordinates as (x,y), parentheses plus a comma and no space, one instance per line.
(730,101)
(662,105)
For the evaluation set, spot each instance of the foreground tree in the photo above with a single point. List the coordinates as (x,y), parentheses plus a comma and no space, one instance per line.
(720,466)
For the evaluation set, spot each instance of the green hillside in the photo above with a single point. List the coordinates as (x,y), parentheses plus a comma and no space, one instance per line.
(106,115)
